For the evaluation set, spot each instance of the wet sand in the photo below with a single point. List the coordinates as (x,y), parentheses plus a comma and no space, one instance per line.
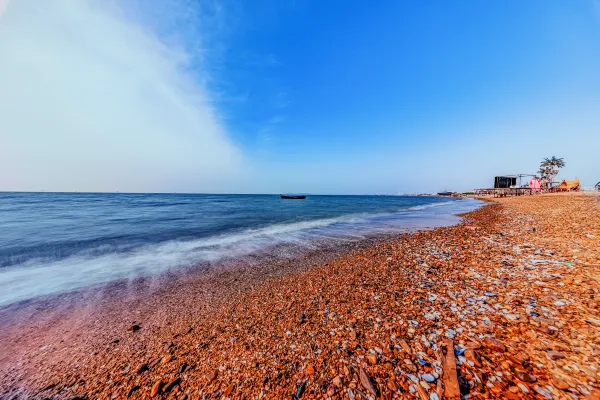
(504,305)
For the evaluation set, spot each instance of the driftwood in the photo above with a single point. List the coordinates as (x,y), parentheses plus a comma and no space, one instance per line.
(451,388)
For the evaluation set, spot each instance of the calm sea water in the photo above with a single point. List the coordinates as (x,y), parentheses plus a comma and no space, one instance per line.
(55,242)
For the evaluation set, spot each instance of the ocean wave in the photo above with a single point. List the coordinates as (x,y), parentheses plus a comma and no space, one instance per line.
(43,276)
(431,205)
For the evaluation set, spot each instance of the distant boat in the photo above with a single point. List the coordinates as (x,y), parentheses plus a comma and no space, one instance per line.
(292,197)
(445,194)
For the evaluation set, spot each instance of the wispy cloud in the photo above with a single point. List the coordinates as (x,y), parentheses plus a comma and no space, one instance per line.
(265,133)
(3,6)
(253,60)
(282,99)
(276,119)
(93,100)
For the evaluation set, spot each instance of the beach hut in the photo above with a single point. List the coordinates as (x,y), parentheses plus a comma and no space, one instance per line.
(505,182)
(567,186)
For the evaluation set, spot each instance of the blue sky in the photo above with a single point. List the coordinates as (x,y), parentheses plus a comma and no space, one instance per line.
(318,97)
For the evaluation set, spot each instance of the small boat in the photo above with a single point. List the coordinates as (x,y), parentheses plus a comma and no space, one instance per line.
(445,194)
(292,197)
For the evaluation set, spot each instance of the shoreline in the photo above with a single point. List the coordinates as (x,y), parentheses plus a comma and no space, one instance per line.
(326,325)
(37,278)
(252,269)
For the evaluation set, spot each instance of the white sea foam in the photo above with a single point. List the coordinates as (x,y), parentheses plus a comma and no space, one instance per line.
(431,205)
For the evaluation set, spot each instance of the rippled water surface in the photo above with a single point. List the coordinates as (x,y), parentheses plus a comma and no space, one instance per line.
(54,242)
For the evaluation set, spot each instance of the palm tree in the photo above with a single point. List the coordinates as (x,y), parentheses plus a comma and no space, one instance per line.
(549,169)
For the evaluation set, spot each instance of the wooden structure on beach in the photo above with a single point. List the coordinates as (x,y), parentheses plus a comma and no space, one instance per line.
(505,192)
(566,186)
(501,188)
(505,182)
(507,185)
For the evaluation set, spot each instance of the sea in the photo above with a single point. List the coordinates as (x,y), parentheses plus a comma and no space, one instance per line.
(53,243)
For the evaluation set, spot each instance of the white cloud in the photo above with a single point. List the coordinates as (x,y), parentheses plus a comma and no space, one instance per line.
(91,100)
(3,5)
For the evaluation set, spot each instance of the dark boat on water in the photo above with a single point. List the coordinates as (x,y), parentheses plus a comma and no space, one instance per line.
(445,194)
(292,197)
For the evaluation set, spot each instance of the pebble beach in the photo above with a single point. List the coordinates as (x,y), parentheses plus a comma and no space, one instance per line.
(504,305)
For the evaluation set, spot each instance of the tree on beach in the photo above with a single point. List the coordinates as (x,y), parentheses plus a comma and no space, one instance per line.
(549,169)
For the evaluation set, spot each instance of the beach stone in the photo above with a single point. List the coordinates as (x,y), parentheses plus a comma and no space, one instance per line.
(473,356)
(331,390)
(546,321)
(133,389)
(300,390)
(372,358)
(337,381)
(525,376)
(310,369)
(494,344)
(392,385)
(229,389)
(142,368)
(405,346)
(153,363)
(156,388)
(166,358)
(543,392)
(556,355)
(559,383)
(213,375)
(366,383)
(523,388)
(551,330)
(171,385)
(474,345)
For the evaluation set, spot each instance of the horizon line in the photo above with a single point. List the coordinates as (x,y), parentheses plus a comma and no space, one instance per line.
(220,193)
